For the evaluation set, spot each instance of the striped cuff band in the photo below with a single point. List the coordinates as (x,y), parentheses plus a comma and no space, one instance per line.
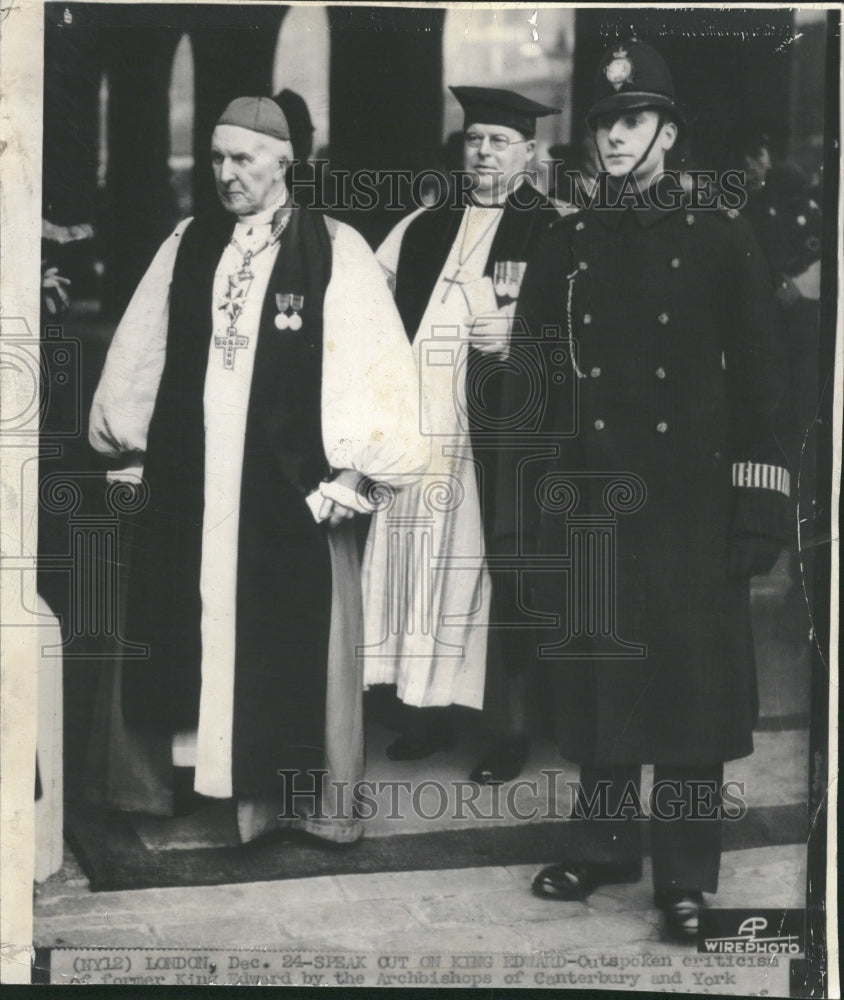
(759,476)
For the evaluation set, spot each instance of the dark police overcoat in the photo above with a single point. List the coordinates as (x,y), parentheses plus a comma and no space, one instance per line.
(650,378)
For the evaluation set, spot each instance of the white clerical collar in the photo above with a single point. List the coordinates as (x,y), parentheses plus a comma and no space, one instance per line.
(476,203)
(264,218)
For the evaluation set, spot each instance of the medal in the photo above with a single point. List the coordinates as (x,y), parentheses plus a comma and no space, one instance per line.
(286,301)
(296,303)
(282,304)
(507,278)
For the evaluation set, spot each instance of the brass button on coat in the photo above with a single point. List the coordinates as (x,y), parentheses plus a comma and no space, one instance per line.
(599,425)
(662,427)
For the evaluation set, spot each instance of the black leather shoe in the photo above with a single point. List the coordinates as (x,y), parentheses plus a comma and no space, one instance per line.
(681,908)
(503,763)
(416,746)
(576,880)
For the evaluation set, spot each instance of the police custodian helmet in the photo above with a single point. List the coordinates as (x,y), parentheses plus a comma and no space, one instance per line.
(634,75)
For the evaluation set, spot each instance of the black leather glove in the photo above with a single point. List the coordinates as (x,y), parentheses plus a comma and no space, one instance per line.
(752,556)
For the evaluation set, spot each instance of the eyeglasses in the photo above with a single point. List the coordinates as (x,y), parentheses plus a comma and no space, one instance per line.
(498,142)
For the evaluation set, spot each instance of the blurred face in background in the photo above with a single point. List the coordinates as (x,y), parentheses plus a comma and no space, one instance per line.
(757,163)
(496,155)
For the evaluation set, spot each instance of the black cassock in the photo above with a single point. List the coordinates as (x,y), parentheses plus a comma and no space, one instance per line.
(677,382)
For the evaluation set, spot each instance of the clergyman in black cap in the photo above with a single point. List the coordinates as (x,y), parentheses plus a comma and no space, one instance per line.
(666,487)
(456,271)
(244,583)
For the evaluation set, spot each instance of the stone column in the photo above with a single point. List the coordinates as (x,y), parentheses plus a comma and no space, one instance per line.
(139,205)
(386,95)
(233,52)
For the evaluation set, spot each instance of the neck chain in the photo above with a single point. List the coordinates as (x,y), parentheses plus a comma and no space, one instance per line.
(463,257)
(239,285)
(244,274)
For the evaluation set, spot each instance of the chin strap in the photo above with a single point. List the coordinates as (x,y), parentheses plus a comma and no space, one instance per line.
(661,119)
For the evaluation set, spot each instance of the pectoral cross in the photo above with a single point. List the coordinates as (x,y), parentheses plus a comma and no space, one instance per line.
(229,344)
(451,282)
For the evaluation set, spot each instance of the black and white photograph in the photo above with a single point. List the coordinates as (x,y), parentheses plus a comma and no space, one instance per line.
(420,457)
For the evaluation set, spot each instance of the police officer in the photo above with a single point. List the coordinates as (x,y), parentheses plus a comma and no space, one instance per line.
(673,375)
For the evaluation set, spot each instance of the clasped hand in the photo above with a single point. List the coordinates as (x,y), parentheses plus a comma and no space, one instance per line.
(490,333)
(330,509)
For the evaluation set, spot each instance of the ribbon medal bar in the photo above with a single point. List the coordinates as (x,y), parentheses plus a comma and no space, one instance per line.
(507,278)
(284,302)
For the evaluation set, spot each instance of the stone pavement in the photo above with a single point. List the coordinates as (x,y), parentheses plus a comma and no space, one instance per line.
(456,912)
(467,909)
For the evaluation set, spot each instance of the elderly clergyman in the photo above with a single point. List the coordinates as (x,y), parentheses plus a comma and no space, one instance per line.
(261,371)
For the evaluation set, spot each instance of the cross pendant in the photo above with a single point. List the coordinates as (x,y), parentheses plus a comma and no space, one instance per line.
(455,280)
(229,344)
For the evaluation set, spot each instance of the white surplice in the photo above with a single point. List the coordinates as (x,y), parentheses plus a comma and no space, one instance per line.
(369,416)
(426,589)
(225,402)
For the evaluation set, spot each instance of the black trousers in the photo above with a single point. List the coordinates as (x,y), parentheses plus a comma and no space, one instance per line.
(510,667)
(684,825)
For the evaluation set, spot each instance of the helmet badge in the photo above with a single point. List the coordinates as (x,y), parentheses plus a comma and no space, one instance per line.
(620,70)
